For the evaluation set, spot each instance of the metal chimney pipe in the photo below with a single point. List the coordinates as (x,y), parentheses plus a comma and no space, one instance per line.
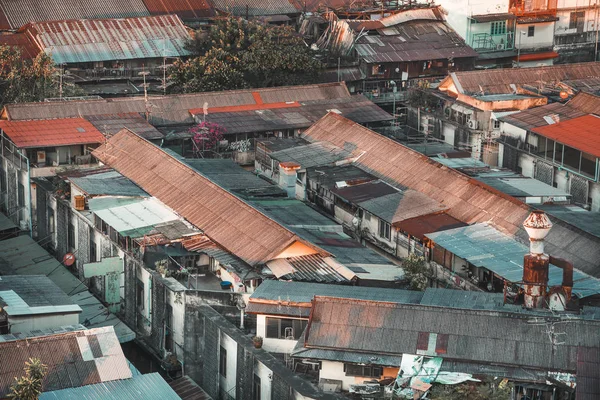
(536,264)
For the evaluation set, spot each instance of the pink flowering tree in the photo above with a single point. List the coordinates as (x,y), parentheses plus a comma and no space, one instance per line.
(207,135)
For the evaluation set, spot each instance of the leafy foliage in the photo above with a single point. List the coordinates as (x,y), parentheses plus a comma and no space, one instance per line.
(236,53)
(29,386)
(207,134)
(416,272)
(29,80)
(490,390)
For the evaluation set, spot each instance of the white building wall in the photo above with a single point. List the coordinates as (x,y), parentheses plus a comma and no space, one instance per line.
(228,383)
(177,303)
(543,36)
(269,344)
(335,370)
(266,378)
(526,162)
(459,11)
(29,323)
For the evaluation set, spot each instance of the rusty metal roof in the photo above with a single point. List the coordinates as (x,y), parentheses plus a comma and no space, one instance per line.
(420,226)
(74,359)
(255,8)
(19,13)
(380,329)
(401,206)
(496,81)
(227,220)
(534,117)
(468,200)
(185,9)
(586,103)
(82,41)
(311,268)
(187,389)
(413,41)
(173,109)
(29,49)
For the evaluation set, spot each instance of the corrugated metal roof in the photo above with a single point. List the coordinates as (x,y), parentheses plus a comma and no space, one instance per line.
(255,7)
(585,220)
(495,81)
(270,117)
(579,133)
(82,41)
(468,200)
(473,336)
(588,373)
(586,103)
(185,9)
(33,294)
(311,155)
(9,337)
(135,217)
(29,49)
(413,41)
(311,268)
(422,225)
(74,359)
(519,186)
(187,389)
(107,183)
(401,206)
(23,256)
(50,133)
(303,292)
(484,246)
(173,109)
(19,13)
(361,192)
(233,224)
(534,117)
(149,386)
(113,123)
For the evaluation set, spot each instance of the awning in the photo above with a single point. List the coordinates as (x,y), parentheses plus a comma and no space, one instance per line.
(493,17)
(546,55)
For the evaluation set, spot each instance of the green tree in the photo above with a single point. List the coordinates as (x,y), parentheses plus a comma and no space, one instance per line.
(488,390)
(29,386)
(29,80)
(235,53)
(416,272)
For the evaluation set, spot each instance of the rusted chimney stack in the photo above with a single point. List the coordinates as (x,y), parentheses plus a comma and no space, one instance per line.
(536,264)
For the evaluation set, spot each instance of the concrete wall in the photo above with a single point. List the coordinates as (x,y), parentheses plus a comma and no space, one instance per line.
(206,331)
(30,323)
(543,36)
(16,171)
(273,345)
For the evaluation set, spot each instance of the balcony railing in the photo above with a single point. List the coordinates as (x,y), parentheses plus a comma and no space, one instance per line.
(483,42)
(114,73)
(386,97)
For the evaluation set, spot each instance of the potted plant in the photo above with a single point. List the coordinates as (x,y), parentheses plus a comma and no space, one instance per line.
(162,268)
(258,341)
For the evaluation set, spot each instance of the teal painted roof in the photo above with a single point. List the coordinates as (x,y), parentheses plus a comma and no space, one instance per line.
(149,386)
(484,246)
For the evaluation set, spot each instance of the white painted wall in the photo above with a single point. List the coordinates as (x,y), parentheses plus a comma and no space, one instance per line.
(460,10)
(273,345)
(266,378)
(228,383)
(178,305)
(543,36)
(29,323)
(526,164)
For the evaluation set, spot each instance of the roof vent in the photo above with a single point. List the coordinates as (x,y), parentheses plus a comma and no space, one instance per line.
(552,119)
(80,129)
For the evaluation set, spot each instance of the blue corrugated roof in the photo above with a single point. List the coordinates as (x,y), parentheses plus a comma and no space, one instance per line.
(484,246)
(149,386)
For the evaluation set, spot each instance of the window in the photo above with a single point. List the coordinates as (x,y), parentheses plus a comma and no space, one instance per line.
(498,28)
(363,370)
(282,328)
(92,246)
(223,362)
(141,301)
(496,124)
(256,388)
(385,230)
(531,31)
(71,236)
(577,18)
(168,327)
(21,199)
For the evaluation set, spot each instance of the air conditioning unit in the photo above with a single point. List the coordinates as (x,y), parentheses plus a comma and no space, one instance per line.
(472,124)
(86,159)
(447,111)
(500,46)
(41,157)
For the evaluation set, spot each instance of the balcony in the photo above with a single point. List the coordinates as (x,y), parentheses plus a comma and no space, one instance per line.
(485,42)
(379,97)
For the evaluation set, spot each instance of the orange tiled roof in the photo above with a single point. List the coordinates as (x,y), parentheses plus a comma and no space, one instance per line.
(53,132)
(581,133)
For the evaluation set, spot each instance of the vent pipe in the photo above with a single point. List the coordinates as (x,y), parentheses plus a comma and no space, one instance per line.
(536,264)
